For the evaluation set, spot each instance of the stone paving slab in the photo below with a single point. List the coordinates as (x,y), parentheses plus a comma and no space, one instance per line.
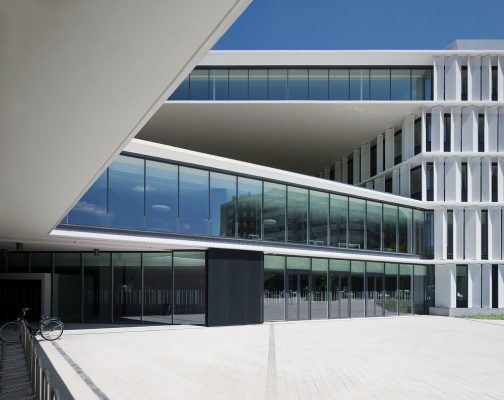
(374,358)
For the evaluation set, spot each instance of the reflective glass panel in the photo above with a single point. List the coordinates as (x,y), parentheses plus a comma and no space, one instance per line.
(319,84)
(401,84)
(398,147)
(190,284)
(198,85)
(41,262)
(405,230)
(373,225)
(319,288)
(359,84)
(182,92)
(356,221)
(389,228)
(338,220)
(258,84)
(249,208)
(416,183)
(380,84)
(357,289)
(298,84)
(222,204)
(421,83)
(462,286)
(418,232)
(161,196)
(277,84)
(67,287)
(374,289)
(275,201)
(193,201)
(238,84)
(405,289)
(126,193)
(219,84)
(420,282)
(297,214)
(274,299)
(319,218)
(391,300)
(339,84)
(97,287)
(91,209)
(158,288)
(127,287)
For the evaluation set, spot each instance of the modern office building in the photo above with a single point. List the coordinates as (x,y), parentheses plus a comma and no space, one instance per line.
(291,185)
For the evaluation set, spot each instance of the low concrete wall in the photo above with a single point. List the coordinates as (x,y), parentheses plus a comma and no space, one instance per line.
(458,312)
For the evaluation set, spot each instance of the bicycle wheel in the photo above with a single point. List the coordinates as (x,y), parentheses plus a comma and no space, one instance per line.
(10,332)
(51,329)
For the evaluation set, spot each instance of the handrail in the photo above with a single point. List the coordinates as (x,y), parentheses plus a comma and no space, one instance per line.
(45,380)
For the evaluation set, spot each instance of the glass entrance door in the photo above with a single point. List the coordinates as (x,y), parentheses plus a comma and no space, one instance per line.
(298,297)
(374,295)
(339,301)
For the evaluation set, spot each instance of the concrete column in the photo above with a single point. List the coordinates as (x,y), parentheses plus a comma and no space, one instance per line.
(379,154)
(438,70)
(389,148)
(380,183)
(458,234)
(472,233)
(396,183)
(474,179)
(408,137)
(365,158)
(424,131)
(486,78)
(338,171)
(453,179)
(405,189)
(424,181)
(500,78)
(440,229)
(486,179)
(453,78)
(356,167)
(344,169)
(491,127)
(474,78)
(456,128)
(474,285)
(437,129)
(486,286)
(500,129)
(439,182)
(446,288)
(469,129)
(494,233)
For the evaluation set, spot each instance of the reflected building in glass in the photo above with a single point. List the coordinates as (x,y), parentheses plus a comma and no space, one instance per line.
(291,185)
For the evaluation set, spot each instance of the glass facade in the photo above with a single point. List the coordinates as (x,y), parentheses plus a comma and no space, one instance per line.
(311,288)
(167,198)
(321,83)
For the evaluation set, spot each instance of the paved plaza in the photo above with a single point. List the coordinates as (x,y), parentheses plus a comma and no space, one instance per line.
(415,357)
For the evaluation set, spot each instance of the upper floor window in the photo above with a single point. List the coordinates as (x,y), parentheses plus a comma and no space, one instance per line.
(428,132)
(418,136)
(464,83)
(494,84)
(398,147)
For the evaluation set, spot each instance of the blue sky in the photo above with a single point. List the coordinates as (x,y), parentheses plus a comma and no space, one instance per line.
(356,24)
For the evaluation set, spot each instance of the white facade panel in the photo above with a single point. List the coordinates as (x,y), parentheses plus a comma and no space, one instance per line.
(474,179)
(437,129)
(474,78)
(379,154)
(380,183)
(500,129)
(456,129)
(500,78)
(474,285)
(491,128)
(472,233)
(404,187)
(469,129)
(396,183)
(453,79)
(446,287)
(486,179)
(452,179)
(389,148)
(494,233)
(458,233)
(486,78)
(440,230)
(408,137)
(486,286)
(439,73)
(365,161)
(500,286)
(439,181)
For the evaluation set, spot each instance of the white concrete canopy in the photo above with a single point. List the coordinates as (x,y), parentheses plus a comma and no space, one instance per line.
(78,79)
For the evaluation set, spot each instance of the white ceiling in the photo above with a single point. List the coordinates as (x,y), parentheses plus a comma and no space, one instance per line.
(295,136)
(78,80)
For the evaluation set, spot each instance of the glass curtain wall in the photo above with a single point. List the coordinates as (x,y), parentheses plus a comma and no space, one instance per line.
(357,290)
(67,287)
(356,223)
(338,220)
(249,208)
(97,284)
(321,83)
(274,294)
(319,304)
(462,286)
(222,204)
(405,289)
(391,292)
(374,225)
(127,287)
(319,215)
(274,217)
(158,288)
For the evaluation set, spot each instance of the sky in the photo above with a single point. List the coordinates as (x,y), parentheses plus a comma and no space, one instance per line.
(363,24)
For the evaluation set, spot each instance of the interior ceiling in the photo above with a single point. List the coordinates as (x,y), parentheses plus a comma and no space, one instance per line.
(301,137)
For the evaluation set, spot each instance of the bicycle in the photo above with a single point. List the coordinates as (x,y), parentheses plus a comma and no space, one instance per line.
(49,328)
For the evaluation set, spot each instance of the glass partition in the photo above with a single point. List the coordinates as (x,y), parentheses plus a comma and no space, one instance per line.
(373,225)
(222,204)
(298,84)
(220,83)
(158,288)
(297,214)
(274,216)
(193,201)
(249,208)
(319,84)
(405,230)
(319,218)
(91,209)
(357,298)
(127,292)
(238,84)
(67,287)
(319,288)
(339,84)
(391,292)
(359,84)
(389,228)
(338,220)
(97,287)
(405,289)
(274,295)
(380,84)
(401,86)
(356,223)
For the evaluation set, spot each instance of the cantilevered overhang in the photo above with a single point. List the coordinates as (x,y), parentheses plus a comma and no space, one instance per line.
(78,79)
(295,136)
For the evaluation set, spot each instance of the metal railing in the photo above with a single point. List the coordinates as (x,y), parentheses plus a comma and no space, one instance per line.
(45,381)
